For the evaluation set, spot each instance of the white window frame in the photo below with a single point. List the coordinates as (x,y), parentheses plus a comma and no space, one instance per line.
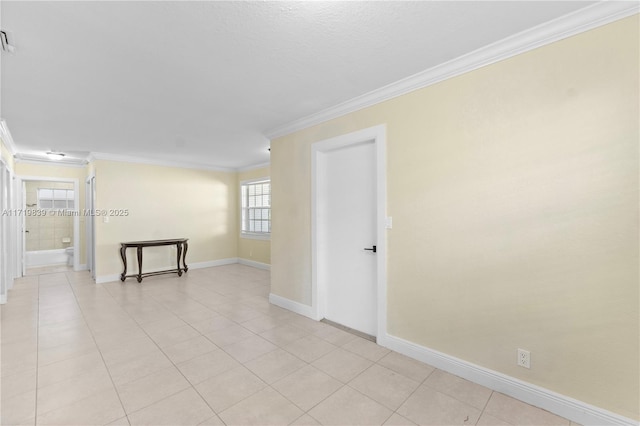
(53,199)
(244,210)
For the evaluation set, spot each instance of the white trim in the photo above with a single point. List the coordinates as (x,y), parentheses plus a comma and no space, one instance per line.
(212,263)
(582,20)
(293,306)
(255,264)
(7,138)
(168,163)
(198,265)
(82,267)
(378,135)
(253,167)
(572,409)
(65,162)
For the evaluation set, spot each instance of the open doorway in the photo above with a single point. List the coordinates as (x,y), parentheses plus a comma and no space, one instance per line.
(50,225)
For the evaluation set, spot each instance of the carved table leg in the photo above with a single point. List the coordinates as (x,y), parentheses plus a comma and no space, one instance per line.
(184,256)
(123,254)
(139,264)
(179,248)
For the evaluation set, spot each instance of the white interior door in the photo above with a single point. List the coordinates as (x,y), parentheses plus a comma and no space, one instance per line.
(346,235)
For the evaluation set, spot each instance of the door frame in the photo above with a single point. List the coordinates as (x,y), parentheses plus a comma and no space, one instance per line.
(377,135)
(76,217)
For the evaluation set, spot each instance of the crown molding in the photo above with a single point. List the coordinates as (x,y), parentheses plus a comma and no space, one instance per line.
(34,159)
(577,22)
(253,167)
(7,138)
(142,160)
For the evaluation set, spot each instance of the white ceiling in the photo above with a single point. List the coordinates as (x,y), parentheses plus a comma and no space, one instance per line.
(202,82)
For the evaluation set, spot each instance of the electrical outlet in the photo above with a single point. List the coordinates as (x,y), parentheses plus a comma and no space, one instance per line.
(524,358)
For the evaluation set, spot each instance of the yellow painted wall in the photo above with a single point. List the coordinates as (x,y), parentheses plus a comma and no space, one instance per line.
(164,202)
(251,249)
(514,196)
(66,172)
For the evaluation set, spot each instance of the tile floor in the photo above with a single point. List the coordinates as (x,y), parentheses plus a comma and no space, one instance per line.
(209,349)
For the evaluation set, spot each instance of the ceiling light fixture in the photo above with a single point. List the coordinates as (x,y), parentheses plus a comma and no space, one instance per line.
(54,155)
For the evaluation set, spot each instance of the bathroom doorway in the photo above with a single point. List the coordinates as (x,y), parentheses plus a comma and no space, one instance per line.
(51,222)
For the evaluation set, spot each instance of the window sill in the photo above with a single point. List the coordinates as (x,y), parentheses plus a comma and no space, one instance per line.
(255,236)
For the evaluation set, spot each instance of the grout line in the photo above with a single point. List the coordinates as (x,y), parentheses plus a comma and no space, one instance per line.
(485,406)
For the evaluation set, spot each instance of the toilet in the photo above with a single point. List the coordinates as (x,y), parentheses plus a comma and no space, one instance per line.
(68,251)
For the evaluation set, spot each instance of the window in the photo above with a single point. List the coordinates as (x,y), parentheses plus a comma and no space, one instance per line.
(256,208)
(60,199)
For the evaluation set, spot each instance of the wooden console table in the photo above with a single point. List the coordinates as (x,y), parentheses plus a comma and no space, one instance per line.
(180,243)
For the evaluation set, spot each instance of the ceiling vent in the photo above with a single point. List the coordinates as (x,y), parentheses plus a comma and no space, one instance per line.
(7,41)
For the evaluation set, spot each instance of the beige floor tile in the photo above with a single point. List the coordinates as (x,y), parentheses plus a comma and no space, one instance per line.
(266,407)
(517,412)
(189,349)
(349,407)
(212,421)
(237,312)
(173,336)
(229,335)
(261,324)
(274,365)
(428,407)
(64,352)
(75,334)
(112,338)
(136,368)
(198,316)
(69,368)
(163,325)
(397,420)
(305,420)
(213,324)
(19,383)
(406,366)
(366,349)
(459,388)
(150,389)
(227,389)
(183,408)
(205,366)
(19,409)
(73,389)
(250,348)
(489,420)
(283,334)
(342,365)
(307,387)
(98,409)
(385,386)
(334,335)
(123,421)
(132,350)
(312,326)
(309,348)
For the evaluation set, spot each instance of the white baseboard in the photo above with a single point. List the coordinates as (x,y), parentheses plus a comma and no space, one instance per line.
(212,263)
(82,267)
(255,264)
(197,265)
(297,307)
(572,409)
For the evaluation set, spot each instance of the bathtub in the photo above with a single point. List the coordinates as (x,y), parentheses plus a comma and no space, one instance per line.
(45,257)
